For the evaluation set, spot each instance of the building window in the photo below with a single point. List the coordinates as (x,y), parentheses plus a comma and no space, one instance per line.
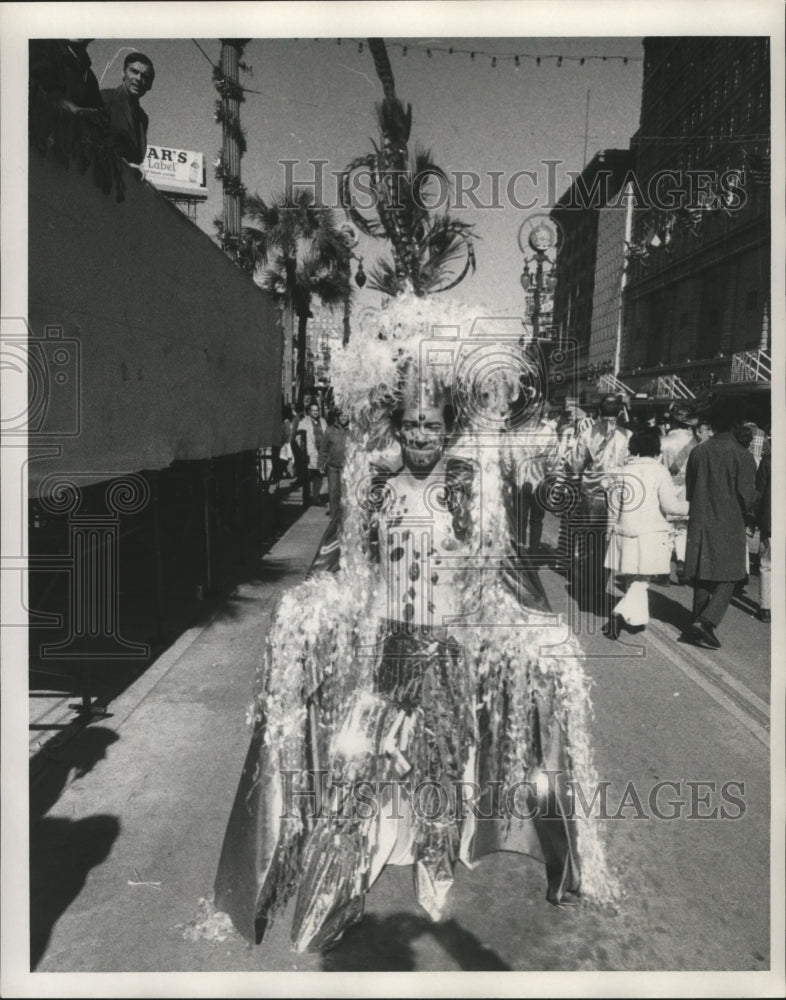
(762,97)
(736,73)
(750,301)
(749,106)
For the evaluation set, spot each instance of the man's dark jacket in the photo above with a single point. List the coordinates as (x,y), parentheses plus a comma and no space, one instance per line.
(720,486)
(127,124)
(62,69)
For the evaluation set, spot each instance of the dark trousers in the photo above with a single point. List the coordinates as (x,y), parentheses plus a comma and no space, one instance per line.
(315,477)
(711,599)
(334,488)
(530,518)
(587,542)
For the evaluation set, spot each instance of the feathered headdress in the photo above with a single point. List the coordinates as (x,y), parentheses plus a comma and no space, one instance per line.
(428,349)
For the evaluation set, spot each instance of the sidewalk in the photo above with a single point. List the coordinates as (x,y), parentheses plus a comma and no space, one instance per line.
(128,823)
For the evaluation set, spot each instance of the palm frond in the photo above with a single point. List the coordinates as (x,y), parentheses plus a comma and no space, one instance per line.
(256,242)
(383,277)
(423,163)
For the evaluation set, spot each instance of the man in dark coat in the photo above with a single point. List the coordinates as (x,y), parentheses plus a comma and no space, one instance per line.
(720,485)
(62,69)
(127,121)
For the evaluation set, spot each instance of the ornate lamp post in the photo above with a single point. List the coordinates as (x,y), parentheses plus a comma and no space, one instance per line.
(538,274)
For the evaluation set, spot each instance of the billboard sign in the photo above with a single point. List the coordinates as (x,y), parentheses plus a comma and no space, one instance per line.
(176,171)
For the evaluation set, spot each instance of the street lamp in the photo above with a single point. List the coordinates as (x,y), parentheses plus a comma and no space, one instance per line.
(538,271)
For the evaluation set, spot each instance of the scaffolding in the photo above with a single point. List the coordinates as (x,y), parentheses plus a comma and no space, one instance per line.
(669,386)
(751,366)
(610,383)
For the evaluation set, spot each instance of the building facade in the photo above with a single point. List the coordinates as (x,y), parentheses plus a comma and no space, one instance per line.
(593,216)
(698,266)
(614,233)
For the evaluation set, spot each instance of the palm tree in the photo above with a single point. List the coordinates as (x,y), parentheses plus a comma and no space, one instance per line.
(298,253)
(426,247)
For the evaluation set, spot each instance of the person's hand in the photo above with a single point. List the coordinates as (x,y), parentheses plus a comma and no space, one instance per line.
(91,114)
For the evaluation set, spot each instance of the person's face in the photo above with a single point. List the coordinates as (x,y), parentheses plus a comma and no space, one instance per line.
(608,423)
(313,411)
(422,437)
(342,419)
(138,78)
(703,432)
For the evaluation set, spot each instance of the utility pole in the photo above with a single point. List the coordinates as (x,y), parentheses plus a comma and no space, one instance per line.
(231,152)
(586,131)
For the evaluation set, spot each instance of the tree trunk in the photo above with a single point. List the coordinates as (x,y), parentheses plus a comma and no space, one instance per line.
(379,54)
(347,327)
(302,323)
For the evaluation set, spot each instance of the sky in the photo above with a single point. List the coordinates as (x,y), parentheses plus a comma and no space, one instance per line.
(314,100)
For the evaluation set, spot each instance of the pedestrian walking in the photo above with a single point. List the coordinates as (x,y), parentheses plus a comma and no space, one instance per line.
(640,543)
(720,486)
(600,452)
(311,430)
(764,524)
(675,448)
(535,462)
(284,456)
(757,440)
(331,458)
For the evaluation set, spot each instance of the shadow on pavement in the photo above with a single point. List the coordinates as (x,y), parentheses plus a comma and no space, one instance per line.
(80,755)
(385,945)
(664,609)
(62,851)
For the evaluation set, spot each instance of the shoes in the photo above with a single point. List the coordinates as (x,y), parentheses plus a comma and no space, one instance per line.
(764,615)
(702,633)
(613,626)
(739,589)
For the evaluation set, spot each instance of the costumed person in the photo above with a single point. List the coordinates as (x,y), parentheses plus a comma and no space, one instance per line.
(640,542)
(419,660)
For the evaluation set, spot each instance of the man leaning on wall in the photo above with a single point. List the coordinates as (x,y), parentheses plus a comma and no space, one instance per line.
(127,121)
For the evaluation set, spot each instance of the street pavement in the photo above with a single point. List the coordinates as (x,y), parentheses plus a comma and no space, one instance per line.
(129,816)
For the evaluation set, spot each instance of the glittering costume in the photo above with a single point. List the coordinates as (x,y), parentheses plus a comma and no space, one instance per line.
(418,703)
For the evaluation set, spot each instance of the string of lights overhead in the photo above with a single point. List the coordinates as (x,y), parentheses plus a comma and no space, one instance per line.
(494,58)
(517,59)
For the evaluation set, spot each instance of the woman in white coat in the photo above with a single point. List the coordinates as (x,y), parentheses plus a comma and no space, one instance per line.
(640,542)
